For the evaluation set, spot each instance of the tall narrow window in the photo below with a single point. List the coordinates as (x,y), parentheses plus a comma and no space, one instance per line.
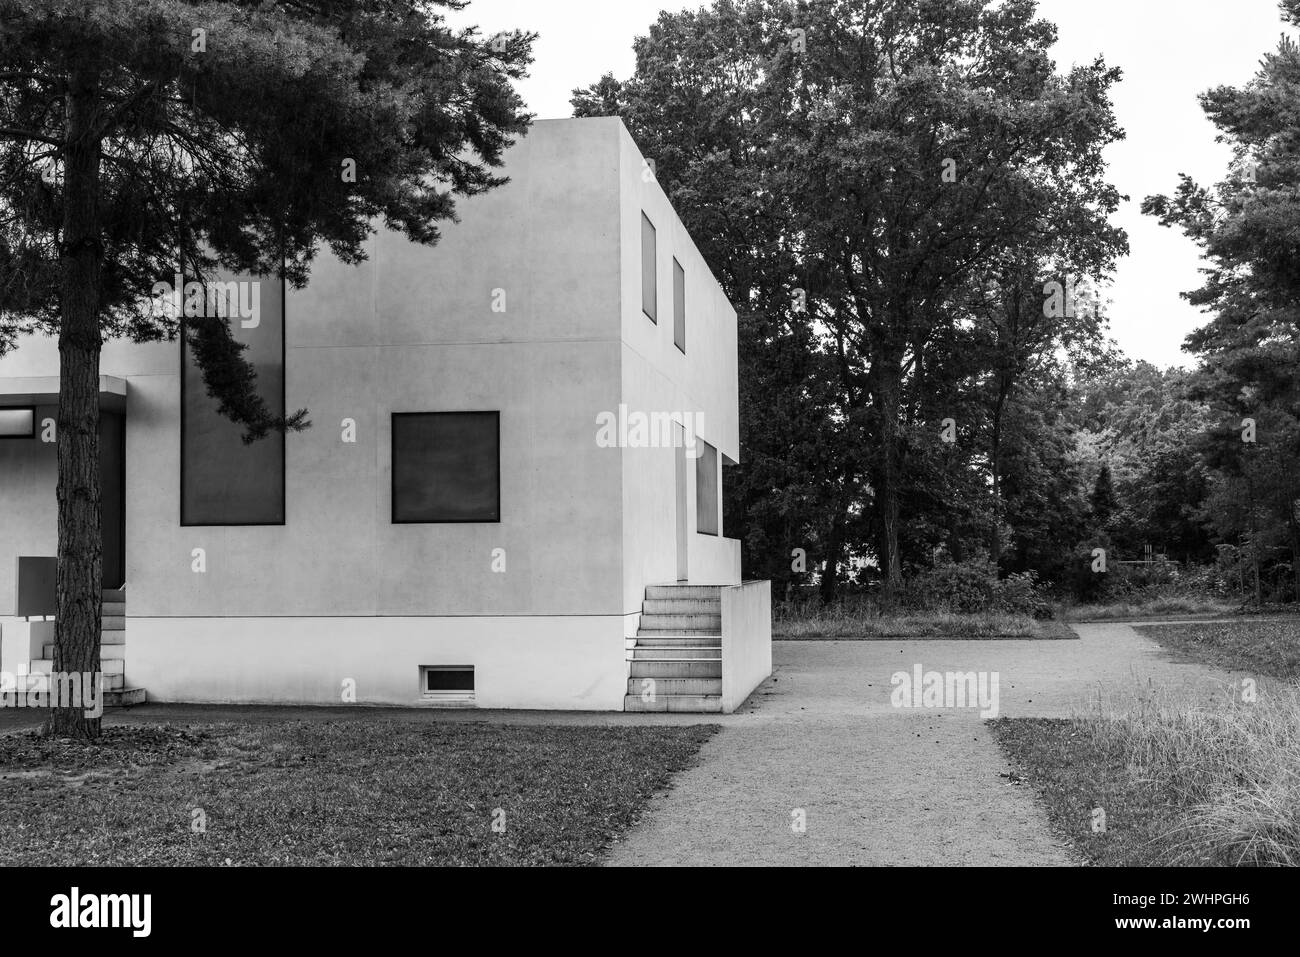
(649,275)
(679,306)
(446,467)
(223,480)
(706,488)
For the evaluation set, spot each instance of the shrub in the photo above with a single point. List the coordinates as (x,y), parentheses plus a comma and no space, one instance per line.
(963,587)
(973,587)
(1021,594)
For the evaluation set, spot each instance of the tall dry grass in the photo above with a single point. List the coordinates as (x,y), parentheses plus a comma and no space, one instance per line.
(1143,608)
(1230,768)
(863,620)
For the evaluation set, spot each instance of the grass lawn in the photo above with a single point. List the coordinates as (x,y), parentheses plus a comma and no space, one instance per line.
(1180,783)
(1265,647)
(334,793)
(1072,774)
(846,624)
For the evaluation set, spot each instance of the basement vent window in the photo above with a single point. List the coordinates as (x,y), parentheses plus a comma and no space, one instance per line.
(17,423)
(450,684)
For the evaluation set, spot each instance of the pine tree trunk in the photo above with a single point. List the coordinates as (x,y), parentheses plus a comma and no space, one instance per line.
(80,550)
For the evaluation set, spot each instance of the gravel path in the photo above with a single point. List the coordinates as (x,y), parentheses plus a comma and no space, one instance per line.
(881,785)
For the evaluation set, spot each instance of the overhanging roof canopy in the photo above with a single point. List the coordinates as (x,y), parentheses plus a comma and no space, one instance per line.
(44,390)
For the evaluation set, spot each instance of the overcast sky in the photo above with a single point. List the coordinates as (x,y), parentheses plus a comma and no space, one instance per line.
(1170,50)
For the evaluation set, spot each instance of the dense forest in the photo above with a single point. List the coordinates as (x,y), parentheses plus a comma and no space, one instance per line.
(908,204)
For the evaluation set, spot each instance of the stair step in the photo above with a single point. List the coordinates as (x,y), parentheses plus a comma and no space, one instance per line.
(660,670)
(112,638)
(113,622)
(675,686)
(113,608)
(682,703)
(681,606)
(675,653)
(657,592)
(680,641)
(107,666)
(113,594)
(40,682)
(22,683)
(124,697)
(679,633)
(702,622)
(106,650)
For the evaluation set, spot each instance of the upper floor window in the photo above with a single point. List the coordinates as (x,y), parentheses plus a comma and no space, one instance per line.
(679,306)
(649,274)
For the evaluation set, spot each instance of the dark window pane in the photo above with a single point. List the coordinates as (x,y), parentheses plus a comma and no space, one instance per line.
(679,306)
(649,275)
(36,578)
(17,423)
(706,489)
(449,679)
(224,481)
(446,467)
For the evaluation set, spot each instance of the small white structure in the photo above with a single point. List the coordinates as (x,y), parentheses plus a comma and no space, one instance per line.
(515,434)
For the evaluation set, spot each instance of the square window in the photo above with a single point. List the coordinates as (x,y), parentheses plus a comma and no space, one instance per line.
(446,467)
(649,272)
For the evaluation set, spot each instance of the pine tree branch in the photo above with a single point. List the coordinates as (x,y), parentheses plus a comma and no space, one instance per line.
(13,133)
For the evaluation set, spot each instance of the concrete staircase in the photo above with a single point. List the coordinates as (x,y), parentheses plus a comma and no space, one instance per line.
(676,657)
(112,653)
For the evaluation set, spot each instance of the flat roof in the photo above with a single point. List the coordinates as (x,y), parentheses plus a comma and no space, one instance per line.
(44,390)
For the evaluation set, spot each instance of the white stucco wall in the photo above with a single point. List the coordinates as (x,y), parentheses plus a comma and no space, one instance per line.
(284,612)
(657,377)
(746,641)
(519,662)
(410,330)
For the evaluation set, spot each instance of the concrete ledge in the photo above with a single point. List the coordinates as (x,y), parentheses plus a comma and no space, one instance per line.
(746,640)
(44,390)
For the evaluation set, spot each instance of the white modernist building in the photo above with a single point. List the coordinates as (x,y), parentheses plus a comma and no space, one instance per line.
(509,496)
